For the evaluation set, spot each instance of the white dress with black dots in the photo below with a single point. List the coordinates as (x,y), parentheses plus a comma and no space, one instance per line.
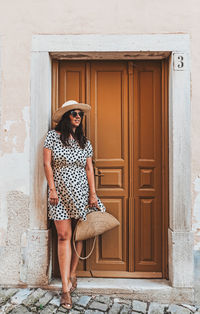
(70,178)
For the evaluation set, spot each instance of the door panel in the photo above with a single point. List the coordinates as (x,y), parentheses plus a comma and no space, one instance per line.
(109,136)
(147,166)
(71,81)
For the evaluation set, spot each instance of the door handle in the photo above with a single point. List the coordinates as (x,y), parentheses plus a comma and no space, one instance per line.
(99,174)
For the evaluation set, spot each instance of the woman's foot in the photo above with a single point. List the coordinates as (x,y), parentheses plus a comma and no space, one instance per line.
(66,300)
(74,283)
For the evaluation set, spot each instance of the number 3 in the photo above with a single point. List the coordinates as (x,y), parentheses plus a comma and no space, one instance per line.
(180,63)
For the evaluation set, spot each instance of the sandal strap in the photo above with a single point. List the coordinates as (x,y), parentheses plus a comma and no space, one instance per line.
(74,281)
(66,298)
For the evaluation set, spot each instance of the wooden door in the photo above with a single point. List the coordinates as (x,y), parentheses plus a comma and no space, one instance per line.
(126,131)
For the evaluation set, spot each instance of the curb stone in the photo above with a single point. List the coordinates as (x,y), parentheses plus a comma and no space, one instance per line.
(139,306)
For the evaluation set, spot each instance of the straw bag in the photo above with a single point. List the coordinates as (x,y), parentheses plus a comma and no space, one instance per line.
(97,223)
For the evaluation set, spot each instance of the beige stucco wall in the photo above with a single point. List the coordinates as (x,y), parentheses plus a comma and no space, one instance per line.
(22,19)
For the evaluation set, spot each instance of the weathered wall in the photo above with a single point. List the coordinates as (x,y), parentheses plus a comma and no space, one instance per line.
(19,21)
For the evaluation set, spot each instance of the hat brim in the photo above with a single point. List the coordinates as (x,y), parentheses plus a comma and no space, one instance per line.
(59,113)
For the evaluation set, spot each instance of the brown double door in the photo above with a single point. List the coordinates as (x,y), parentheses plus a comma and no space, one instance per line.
(126,128)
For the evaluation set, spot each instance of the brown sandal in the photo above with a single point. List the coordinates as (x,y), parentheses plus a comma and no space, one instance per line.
(74,284)
(66,300)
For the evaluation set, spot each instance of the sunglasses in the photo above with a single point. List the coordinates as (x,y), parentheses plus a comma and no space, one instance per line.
(74,113)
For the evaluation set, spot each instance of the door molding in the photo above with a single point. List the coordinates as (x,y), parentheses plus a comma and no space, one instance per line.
(177,46)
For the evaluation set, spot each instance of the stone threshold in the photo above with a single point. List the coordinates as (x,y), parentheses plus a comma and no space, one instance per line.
(157,290)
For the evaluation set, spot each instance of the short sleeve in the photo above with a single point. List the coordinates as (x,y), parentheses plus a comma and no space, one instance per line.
(89,149)
(49,140)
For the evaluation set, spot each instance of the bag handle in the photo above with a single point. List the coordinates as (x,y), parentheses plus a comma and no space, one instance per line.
(93,245)
(94,241)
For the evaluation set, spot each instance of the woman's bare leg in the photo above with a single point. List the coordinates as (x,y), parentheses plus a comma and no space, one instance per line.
(64,232)
(75,258)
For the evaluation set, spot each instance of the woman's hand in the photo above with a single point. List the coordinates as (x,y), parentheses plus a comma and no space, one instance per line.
(93,200)
(53,197)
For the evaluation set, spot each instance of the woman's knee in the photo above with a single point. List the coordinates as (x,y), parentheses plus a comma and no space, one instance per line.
(64,230)
(64,235)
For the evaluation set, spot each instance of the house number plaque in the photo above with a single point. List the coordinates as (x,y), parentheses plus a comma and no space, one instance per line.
(179,61)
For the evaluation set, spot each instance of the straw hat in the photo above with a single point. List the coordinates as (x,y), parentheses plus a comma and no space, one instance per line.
(69,105)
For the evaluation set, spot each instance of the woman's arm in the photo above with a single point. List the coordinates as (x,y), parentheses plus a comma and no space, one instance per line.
(90,175)
(49,175)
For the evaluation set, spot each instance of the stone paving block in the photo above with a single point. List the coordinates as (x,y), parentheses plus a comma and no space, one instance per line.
(75,298)
(61,309)
(156,308)
(123,301)
(55,301)
(115,309)
(20,296)
(83,301)
(33,309)
(139,306)
(6,308)
(20,309)
(5,294)
(190,307)
(92,312)
(103,299)
(98,306)
(125,309)
(9,292)
(49,309)
(176,309)
(78,308)
(33,297)
(45,299)
(73,311)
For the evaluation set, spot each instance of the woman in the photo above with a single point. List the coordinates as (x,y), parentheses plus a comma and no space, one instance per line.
(70,176)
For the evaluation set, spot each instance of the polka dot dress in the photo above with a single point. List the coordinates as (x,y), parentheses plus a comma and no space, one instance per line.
(70,178)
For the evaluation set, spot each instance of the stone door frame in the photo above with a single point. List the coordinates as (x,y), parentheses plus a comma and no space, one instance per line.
(150,46)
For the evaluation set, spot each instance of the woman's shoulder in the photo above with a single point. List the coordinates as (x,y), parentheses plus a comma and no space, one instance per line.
(52,135)
(52,132)
(89,148)
(49,140)
(88,142)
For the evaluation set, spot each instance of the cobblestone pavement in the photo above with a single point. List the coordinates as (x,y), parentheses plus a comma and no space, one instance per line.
(36,300)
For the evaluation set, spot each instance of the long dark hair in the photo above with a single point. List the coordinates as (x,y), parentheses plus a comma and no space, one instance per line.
(65,128)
